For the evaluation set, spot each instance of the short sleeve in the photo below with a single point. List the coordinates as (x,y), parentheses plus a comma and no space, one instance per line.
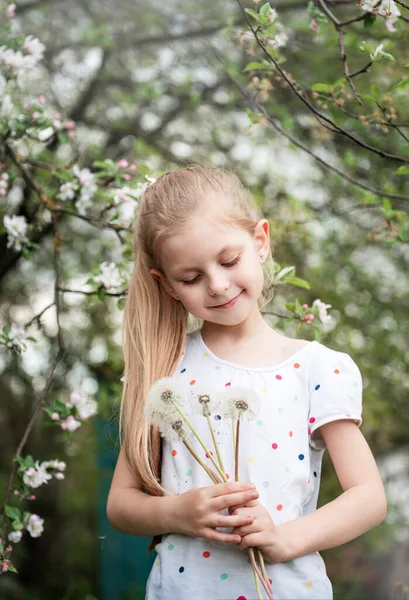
(335,387)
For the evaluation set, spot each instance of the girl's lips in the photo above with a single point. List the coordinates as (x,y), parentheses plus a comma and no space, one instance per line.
(231,302)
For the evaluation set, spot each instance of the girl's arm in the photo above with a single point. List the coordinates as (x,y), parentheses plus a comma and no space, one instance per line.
(361,506)
(195,512)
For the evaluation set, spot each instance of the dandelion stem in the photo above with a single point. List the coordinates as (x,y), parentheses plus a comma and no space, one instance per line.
(236,461)
(216,445)
(256,573)
(263,568)
(189,424)
(234,435)
(212,475)
(256,570)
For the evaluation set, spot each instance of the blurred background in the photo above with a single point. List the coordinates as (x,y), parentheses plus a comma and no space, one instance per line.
(156,83)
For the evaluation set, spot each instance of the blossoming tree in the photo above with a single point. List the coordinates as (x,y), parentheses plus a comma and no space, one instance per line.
(45,181)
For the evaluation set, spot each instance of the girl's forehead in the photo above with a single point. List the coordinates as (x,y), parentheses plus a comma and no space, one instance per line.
(201,239)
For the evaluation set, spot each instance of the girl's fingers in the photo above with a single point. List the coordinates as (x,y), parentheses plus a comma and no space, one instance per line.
(218,536)
(221,489)
(245,529)
(233,521)
(222,502)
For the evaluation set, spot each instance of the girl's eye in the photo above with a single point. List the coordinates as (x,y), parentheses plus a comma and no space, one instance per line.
(233,262)
(228,264)
(191,281)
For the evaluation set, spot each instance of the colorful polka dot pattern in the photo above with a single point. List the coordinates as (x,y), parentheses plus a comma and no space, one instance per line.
(274,453)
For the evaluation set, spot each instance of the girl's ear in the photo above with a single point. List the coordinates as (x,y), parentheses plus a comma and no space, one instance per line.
(163,282)
(262,237)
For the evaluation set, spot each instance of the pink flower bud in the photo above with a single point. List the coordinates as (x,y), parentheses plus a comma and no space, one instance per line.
(57,115)
(55,416)
(69,125)
(5,176)
(127,177)
(132,168)
(16,493)
(57,124)
(309,316)
(122,164)
(41,100)
(36,115)
(9,549)
(304,306)
(32,497)
(71,134)
(11,10)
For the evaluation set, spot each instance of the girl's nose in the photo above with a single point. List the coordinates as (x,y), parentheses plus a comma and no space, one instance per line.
(218,285)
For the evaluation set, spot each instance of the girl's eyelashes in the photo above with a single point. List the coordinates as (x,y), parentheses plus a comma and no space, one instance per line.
(227,264)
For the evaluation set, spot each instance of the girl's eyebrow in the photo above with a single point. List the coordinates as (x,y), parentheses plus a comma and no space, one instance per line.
(182,270)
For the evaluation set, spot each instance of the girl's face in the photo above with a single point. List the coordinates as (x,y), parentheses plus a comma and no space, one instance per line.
(215,268)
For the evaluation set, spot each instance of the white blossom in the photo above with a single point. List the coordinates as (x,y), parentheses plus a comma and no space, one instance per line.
(386,7)
(240,402)
(16,227)
(15,536)
(83,204)
(86,407)
(34,48)
(45,134)
(59,476)
(125,194)
(36,476)
(84,175)
(17,336)
(70,424)
(67,191)
(110,276)
(7,107)
(280,39)
(322,310)
(35,526)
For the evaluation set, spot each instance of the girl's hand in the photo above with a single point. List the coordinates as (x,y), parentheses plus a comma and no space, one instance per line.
(197,512)
(261,533)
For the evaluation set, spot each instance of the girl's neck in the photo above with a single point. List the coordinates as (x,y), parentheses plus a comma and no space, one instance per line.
(252,329)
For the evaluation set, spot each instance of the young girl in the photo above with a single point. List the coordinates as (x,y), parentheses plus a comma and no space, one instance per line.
(200,244)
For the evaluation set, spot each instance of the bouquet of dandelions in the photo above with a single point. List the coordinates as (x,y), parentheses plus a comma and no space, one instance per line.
(164,409)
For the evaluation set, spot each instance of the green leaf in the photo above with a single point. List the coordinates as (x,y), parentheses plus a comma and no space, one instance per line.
(252,13)
(322,87)
(402,83)
(387,205)
(256,66)
(265,10)
(121,303)
(369,98)
(376,92)
(284,272)
(369,20)
(298,282)
(402,234)
(403,170)
(12,568)
(13,513)
(317,333)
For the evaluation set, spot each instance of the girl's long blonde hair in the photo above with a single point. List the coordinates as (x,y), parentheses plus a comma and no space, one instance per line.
(155,325)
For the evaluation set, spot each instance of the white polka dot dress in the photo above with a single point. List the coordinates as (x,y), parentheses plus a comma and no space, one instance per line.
(280,451)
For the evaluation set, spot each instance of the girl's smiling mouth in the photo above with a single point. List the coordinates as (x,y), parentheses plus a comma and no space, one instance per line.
(230,303)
